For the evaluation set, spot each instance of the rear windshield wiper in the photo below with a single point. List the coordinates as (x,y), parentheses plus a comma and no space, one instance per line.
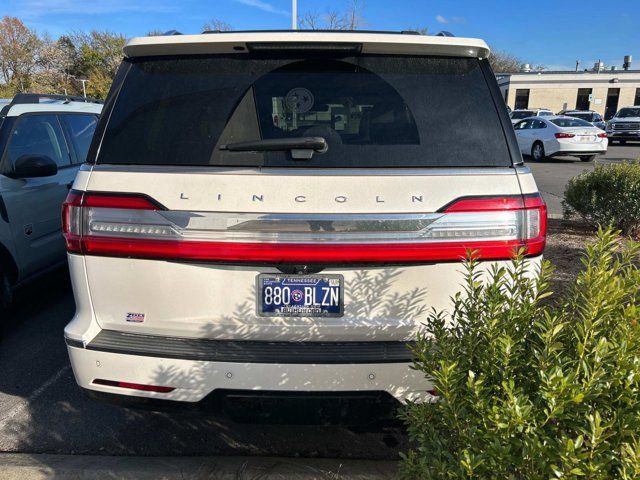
(302,148)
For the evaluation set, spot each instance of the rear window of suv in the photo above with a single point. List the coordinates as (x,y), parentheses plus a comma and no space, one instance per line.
(372,110)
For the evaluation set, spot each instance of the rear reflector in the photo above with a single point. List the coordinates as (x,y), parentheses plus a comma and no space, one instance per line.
(138,227)
(133,386)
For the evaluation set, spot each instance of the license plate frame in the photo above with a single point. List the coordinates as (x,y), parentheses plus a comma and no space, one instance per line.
(302,281)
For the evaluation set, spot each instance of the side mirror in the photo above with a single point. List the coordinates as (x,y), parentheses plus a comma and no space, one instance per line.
(31,166)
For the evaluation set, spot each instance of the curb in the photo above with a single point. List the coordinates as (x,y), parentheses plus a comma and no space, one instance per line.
(21,466)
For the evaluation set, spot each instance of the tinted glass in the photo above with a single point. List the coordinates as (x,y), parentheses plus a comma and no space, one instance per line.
(628,112)
(570,122)
(38,135)
(373,111)
(521,114)
(545,114)
(80,129)
(539,124)
(583,116)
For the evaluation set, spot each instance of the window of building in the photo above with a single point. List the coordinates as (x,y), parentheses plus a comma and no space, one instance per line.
(522,99)
(637,99)
(582,101)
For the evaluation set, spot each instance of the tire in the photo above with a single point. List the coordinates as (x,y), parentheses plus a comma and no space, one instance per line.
(587,158)
(537,152)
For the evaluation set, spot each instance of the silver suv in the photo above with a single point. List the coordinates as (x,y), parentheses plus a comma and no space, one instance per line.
(43,141)
(277,212)
(625,125)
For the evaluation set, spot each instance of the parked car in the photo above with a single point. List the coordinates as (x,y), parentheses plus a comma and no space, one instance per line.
(594,118)
(625,125)
(43,141)
(277,211)
(518,115)
(554,136)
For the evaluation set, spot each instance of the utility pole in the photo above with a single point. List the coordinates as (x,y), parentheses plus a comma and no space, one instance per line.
(294,14)
(84,88)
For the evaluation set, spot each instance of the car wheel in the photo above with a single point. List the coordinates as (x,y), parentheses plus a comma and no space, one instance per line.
(537,151)
(587,158)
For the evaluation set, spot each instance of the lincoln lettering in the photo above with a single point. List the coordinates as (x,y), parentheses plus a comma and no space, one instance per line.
(260,198)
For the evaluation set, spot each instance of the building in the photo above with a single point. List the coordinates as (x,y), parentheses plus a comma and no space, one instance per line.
(604,91)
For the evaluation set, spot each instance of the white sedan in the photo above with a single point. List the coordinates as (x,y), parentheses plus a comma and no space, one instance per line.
(555,136)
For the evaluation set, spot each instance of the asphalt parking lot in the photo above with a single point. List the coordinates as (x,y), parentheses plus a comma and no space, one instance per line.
(43,411)
(552,175)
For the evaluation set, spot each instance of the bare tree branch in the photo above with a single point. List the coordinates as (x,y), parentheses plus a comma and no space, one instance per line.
(215,24)
(350,19)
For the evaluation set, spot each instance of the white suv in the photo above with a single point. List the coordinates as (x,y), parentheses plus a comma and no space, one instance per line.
(521,114)
(277,211)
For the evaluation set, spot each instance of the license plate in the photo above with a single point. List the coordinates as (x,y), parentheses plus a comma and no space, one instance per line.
(300,295)
(587,138)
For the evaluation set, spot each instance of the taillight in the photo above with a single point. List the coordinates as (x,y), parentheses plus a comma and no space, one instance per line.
(602,135)
(72,221)
(565,135)
(136,226)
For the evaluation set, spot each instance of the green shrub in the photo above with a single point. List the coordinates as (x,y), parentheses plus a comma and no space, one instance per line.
(608,196)
(530,389)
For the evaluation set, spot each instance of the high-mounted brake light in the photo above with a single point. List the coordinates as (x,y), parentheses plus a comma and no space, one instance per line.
(138,227)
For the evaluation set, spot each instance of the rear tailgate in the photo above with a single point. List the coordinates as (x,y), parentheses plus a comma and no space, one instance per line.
(176,227)
(385,300)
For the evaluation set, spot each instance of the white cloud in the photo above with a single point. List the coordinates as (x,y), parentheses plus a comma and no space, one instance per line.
(441,19)
(264,6)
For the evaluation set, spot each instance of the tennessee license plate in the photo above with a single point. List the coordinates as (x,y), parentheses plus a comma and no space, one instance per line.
(300,295)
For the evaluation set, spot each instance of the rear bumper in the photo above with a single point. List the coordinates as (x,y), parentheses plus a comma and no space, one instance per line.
(579,153)
(194,380)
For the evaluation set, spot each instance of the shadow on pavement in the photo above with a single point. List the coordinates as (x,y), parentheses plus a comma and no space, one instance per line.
(42,410)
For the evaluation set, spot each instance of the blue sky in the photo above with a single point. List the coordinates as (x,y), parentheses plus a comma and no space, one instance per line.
(549,32)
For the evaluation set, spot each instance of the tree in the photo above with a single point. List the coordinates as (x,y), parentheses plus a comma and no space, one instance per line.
(97,57)
(18,52)
(503,62)
(351,19)
(216,25)
(54,64)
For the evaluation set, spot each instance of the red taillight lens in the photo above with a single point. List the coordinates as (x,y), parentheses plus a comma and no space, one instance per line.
(76,205)
(72,221)
(565,135)
(138,227)
(133,386)
(602,135)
